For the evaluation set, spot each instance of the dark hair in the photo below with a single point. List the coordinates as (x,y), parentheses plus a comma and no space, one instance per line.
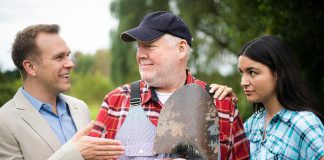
(291,89)
(25,46)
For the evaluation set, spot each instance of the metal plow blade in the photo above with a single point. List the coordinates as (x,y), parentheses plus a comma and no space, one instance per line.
(188,125)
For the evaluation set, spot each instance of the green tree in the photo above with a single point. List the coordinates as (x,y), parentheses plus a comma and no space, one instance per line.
(87,63)
(9,84)
(90,78)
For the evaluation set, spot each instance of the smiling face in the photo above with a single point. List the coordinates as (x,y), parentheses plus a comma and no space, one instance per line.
(53,66)
(159,62)
(258,81)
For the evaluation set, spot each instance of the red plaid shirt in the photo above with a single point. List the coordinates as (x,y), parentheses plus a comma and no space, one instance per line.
(233,141)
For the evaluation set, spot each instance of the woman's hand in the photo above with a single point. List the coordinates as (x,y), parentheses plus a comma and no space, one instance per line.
(220,92)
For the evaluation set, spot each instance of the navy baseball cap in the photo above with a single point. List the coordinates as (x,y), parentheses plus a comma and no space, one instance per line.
(155,25)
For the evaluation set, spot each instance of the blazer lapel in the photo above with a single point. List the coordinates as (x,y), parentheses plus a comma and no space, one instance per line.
(36,121)
(75,113)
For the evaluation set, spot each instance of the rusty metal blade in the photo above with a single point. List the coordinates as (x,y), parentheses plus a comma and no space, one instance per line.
(188,118)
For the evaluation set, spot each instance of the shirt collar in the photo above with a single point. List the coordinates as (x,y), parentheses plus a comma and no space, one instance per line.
(285,114)
(190,77)
(260,114)
(37,104)
(148,93)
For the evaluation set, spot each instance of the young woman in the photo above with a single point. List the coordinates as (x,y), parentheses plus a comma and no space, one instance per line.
(285,124)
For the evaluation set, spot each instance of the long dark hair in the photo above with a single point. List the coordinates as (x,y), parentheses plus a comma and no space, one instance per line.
(291,89)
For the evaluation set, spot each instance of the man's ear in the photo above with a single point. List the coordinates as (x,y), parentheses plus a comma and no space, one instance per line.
(29,67)
(182,46)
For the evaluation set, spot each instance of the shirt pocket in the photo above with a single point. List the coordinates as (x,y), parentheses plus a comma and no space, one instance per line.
(275,146)
(255,136)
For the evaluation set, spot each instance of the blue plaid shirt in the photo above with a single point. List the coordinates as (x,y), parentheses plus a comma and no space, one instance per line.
(290,135)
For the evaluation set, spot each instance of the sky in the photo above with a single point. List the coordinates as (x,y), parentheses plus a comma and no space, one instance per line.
(85,24)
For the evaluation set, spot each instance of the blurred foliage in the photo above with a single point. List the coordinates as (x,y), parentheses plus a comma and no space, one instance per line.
(91,88)
(90,79)
(99,62)
(9,84)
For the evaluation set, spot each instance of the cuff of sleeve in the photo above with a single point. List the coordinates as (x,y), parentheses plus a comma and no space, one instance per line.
(66,152)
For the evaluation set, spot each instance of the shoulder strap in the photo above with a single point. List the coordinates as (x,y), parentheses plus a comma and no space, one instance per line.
(135,93)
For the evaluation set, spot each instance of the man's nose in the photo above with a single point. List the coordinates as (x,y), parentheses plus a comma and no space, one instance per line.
(141,52)
(69,63)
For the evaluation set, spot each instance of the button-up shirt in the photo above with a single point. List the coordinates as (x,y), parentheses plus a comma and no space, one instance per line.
(233,141)
(61,123)
(289,135)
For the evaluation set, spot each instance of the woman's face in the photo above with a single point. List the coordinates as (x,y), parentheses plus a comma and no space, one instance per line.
(258,81)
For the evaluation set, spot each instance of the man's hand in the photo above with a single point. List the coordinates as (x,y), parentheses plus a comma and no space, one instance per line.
(96,148)
(222,91)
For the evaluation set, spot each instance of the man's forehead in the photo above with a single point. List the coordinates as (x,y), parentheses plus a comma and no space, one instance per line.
(150,42)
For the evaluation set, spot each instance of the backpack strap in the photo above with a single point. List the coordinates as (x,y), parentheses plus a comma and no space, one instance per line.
(135,99)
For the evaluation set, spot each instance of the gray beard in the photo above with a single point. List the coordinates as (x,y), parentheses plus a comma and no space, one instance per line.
(159,80)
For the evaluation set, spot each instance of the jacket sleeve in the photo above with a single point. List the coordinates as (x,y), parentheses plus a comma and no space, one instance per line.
(9,147)
(66,152)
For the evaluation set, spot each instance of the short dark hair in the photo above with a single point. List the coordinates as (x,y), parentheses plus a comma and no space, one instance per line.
(291,89)
(25,46)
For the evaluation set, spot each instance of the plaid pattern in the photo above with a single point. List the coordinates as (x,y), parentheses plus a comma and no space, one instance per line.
(290,135)
(233,141)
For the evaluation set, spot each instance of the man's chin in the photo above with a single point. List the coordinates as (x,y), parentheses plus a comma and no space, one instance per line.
(65,88)
(147,79)
(150,82)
